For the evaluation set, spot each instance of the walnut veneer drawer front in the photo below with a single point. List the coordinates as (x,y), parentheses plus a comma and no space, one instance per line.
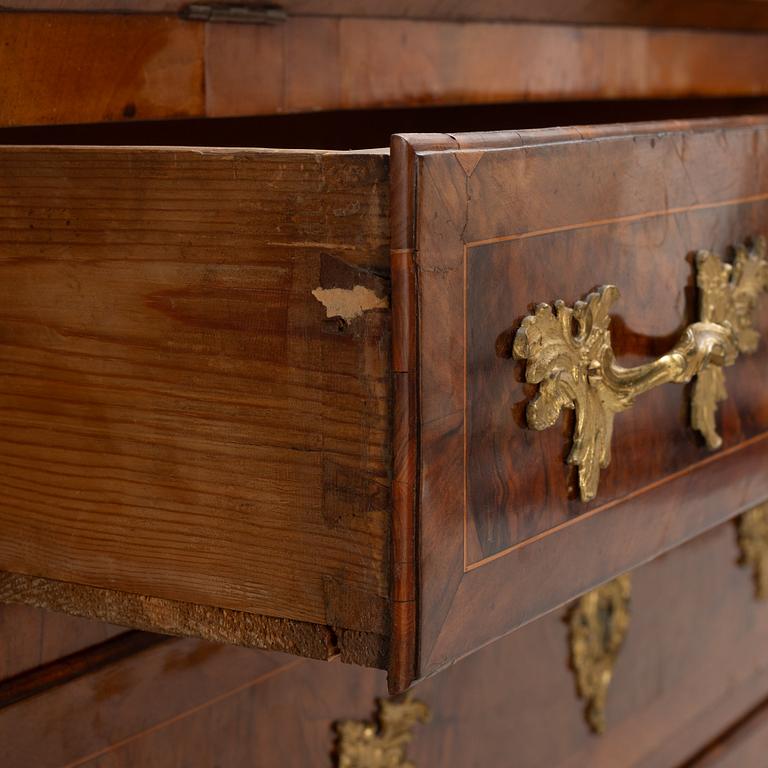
(225,411)
(501,223)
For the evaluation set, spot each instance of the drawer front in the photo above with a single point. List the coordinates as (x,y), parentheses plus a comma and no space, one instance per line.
(495,224)
(340,56)
(194,418)
(693,663)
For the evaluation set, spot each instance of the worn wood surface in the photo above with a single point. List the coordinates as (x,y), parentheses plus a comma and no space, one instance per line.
(549,218)
(154,66)
(180,418)
(172,617)
(726,14)
(694,662)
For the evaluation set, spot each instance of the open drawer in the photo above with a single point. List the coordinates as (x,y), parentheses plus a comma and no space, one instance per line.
(271,397)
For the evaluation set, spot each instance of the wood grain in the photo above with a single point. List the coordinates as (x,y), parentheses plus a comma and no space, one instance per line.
(65,68)
(109,707)
(353,63)
(67,669)
(518,485)
(159,66)
(179,417)
(693,664)
(479,582)
(31,637)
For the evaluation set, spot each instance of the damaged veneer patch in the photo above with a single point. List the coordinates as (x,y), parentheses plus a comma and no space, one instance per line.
(349,303)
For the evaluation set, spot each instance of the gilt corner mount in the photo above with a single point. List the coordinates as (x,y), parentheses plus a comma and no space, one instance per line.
(569,356)
(381,744)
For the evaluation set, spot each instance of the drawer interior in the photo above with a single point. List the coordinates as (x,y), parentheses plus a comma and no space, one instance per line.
(362,129)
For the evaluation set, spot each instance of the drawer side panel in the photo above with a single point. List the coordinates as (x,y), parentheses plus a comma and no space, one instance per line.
(194,377)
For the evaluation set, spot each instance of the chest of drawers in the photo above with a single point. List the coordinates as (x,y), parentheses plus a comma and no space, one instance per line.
(312,401)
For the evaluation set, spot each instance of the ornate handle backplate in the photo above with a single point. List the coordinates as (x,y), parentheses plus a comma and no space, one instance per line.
(598,624)
(382,743)
(569,355)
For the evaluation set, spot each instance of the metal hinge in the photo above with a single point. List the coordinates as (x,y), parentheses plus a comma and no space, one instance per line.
(234,13)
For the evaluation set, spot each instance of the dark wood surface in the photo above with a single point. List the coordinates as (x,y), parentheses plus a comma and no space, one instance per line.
(159,66)
(361,129)
(742,746)
(551,216)
(726,14)
(31,637)
(694,663)
(69,668)
(180,419)
(694,659)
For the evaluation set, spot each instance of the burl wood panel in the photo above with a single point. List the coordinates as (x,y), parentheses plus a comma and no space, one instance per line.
(694,663)
(155,66)
(518,484)
(499,223)
(179,418)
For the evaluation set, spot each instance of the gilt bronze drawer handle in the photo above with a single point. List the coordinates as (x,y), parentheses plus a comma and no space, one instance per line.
(569,355)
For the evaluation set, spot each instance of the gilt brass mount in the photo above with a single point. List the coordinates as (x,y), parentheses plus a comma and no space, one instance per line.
(598,624)
(381,743)
(753,542)
(569,355)
(728,296)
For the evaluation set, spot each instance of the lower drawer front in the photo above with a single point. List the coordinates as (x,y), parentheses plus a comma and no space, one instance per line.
(693,663)
(694,660)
